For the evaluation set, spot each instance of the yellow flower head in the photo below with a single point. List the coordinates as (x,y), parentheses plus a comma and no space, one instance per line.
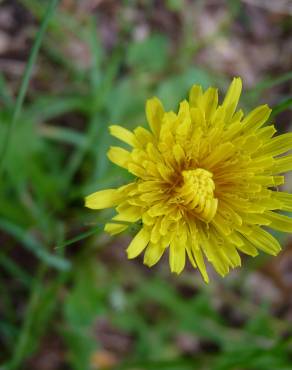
(206,182)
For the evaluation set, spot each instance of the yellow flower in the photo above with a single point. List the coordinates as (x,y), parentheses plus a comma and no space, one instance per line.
(206,182)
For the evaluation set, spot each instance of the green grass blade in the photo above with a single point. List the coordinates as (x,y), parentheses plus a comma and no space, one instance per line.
(34,246)
(271,82)
(86,234)
(11,267)
(26,78)
(4,92)
(62,134)
(39,311)
(285,104)
(79,237)
(255,92)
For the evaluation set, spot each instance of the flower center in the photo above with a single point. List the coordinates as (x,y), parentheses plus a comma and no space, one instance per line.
(197,193)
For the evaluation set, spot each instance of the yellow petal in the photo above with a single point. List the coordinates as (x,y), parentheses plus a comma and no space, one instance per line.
(158,210)
(128,213)
(139,243)
(155,232)
(231,254)
(200,263)
(251,143)
(165,172)
(237,116)
(266,133)
(247,248)
(232,97)
(154,114)
(219,154)
(220,263)
(212,252)
(165,225)
(190,255)
(143,136)
(285,199)
(222,225)
(283,164)
(209,102)
(269,180)
(278,145)
(198,118)
(279,222)
(256,118)
(119,156)
(195,93)
(184,119)
(147,219)
(153,153)
(152,197)
(114,228)
(256,219)
(153,254)
(264,241)
(177,256)
(137,170)
(123,134)
(178,153)
(153,186)
(169,124)
(103,199)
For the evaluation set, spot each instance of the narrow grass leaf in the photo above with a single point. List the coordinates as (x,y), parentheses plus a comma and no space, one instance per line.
(34,246)
(26,78)
(284,105)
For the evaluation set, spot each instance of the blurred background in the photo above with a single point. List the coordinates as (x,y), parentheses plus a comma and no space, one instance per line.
(84,305)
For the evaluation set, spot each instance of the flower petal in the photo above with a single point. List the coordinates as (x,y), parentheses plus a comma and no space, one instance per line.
(103,199)
(177,257)
(209,102)
(285,199)
(247,248)
(279,222)
(195,94)
(128,213)
(123,134)
(232,97)
(201,264)
(153,253)
(119,156)
(278,145)
(256,118)
(139,243)
(283,164)
(114,228)
(264,241)
(231,254)
(154,114)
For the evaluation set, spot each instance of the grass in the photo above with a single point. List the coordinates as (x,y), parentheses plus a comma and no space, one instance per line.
(26,77)
(61,277)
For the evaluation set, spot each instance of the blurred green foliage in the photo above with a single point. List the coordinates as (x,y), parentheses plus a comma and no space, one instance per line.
(51,165)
